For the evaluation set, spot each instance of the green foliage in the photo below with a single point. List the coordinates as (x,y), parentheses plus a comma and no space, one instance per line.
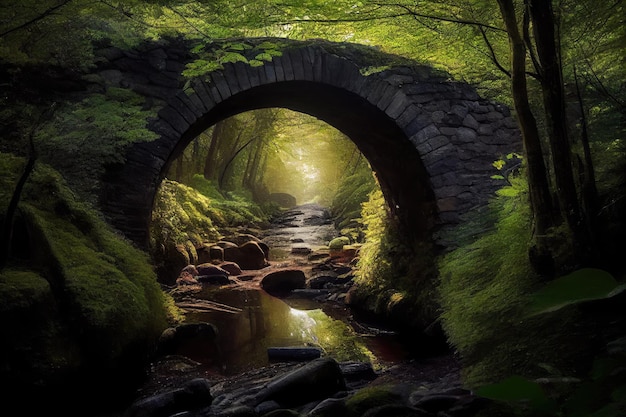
(582,285)
(98,295)
(371,397)
(235,208)
(213,57)
(352,192)
(182,214)
(397,272)
(199,213)
(339,242)
(84,137)
(601,391)
(484,289)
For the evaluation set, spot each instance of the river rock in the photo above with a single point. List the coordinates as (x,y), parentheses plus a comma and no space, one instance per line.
(250,255)
(209,254)
(176,339)
(210,269)
(280,283)
(192,395)
(317,380)
(214,279)
(231,267)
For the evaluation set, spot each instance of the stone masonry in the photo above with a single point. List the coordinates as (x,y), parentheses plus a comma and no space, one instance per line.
(430,140)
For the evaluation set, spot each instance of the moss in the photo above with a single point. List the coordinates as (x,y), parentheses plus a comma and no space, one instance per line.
(484,289)
(104,308)
(395,274)
(370,397)
(339,242)
(36,339)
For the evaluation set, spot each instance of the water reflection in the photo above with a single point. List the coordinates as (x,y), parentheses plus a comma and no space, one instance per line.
(266,321)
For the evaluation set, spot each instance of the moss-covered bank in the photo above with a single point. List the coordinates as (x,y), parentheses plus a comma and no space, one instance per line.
(81,306)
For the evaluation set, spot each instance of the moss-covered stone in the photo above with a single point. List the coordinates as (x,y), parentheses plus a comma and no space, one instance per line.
(95,306)
(338,243)
(371,397)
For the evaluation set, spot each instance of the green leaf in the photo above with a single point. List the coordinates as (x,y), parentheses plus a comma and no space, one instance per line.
(579,286)
(233,57)
(263,57)
(517,389)
(255,63)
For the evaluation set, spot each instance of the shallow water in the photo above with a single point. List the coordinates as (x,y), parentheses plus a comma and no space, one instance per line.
(266,321)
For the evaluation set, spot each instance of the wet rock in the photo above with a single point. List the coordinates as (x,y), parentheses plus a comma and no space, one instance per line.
(282,413)
(185,278)
(210,269)
(210,254)
(318,379)
(192,395)
(173,340)
(300,250)
(281,283)
(319,281)
(250,255)
(238,411)
(328,408)
(395,410)
(266,407)
(231,267)
(213,279)
(354,372)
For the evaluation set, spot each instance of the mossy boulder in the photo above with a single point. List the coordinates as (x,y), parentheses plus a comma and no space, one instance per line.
(84,302)
(338,243)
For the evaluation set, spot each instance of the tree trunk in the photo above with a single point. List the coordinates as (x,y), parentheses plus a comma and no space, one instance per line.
(7,225)
(541,201)
(548,53)
(210,163)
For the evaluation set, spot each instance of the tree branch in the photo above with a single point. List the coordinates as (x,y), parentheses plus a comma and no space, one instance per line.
(492,53)
(34,20)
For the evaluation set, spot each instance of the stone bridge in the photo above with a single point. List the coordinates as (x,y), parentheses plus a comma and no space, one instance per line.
(430,140)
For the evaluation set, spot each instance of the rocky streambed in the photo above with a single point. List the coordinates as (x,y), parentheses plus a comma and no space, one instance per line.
(271,342)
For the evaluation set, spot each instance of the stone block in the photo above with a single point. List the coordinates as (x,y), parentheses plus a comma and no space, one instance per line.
(230,77)
(288,67)
(241,70)
(221,84)
(270,72)
(175,119)
(295,56)
(470,121)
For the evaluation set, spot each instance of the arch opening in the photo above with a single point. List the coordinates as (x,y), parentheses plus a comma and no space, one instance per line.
(394,160)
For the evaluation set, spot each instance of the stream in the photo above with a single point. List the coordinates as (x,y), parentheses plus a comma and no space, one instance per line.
(252,321)
(223,367)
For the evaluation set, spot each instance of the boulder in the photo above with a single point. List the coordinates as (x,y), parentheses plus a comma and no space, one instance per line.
(210,269)
(213,279)
(209,253)
(175,340)
(281,283)
(194,394)
(250,255)
(231,267)
(175,258)
(318,379)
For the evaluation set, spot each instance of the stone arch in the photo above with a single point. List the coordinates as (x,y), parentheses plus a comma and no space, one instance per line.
(431,141)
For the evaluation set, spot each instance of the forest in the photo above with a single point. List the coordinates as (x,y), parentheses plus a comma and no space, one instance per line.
(527,293)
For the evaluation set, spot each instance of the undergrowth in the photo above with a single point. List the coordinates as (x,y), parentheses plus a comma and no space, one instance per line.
(484,287)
